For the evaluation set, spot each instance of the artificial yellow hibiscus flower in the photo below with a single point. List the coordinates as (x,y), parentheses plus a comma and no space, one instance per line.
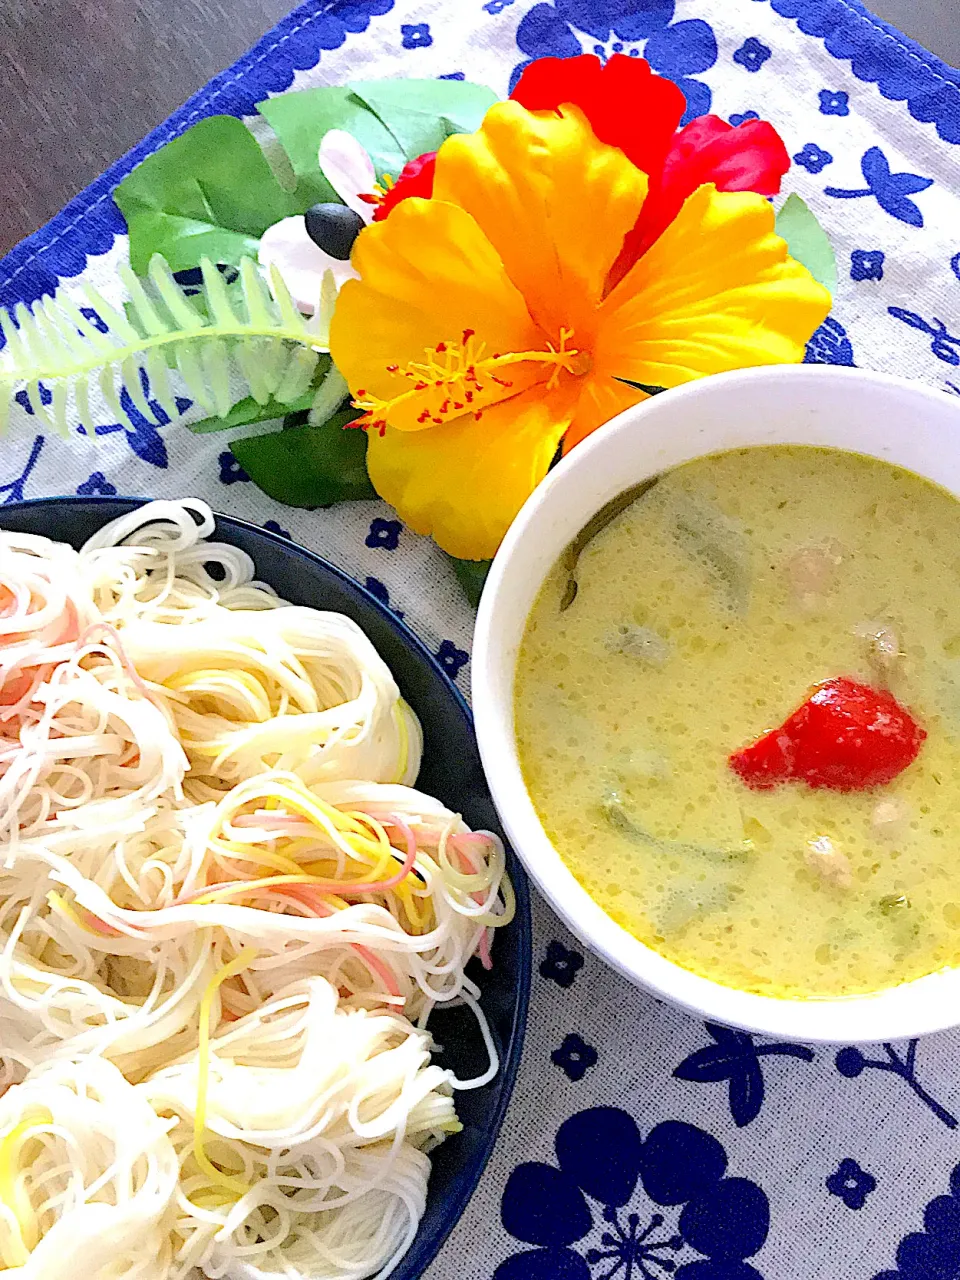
(480,333)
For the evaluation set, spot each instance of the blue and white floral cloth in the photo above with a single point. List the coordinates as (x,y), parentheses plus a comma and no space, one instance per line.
(641,1144)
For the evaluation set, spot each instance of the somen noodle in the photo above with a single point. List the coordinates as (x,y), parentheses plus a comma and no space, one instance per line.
(225,917)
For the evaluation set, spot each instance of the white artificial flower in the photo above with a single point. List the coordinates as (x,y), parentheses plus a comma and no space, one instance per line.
(348,168)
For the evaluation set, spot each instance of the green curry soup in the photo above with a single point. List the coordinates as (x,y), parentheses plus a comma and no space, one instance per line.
(700,618)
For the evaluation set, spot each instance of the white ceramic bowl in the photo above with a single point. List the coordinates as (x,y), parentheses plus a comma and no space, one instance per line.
(868,413)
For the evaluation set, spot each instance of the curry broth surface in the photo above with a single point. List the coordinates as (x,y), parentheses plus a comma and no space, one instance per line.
(704,614)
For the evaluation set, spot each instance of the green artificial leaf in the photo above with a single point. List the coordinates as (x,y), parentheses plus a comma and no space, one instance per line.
(248,411)
(309,466)
(471,574)
(207,194)
(301,119)
(807,241)
(421,114)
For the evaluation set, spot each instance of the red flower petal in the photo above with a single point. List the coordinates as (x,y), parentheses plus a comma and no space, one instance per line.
(750,157)
(627,105)
(416,179)
(630,107)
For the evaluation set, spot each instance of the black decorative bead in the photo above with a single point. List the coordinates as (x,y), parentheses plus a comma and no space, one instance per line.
(333,228)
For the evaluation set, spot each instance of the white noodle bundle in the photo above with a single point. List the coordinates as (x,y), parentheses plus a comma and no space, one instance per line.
(287,688)
(156,563)
(44,606)
(136,1004)
(87,1177)
(88,754)
(404,943)
(308,1155)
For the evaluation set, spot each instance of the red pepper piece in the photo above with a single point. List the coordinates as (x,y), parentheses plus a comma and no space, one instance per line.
(846,737)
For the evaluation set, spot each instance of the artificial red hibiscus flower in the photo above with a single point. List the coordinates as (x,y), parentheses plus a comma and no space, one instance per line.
(630,107)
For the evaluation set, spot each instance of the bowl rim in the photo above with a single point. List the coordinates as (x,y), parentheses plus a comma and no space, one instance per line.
(421,1254)
(889,1014)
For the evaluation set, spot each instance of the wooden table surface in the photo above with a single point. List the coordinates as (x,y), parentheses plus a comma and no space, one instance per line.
(81,81)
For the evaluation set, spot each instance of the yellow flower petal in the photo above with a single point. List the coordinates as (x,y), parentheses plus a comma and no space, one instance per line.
(428,274)
(717,291)
(601,399)
(554,202)
(463,483)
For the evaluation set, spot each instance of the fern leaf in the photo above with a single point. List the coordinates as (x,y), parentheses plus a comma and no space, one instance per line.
(81,399)
(249,340)
(217,296)
(130,376)
(330,396)
(255,295)
(250,359)
(159,377)
(188,365)
(180,309)
(151,321)
(109,393)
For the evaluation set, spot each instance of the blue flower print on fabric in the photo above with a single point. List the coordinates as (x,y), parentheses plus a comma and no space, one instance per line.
(274,526)
(743,117)
(142,434)
(752,54)
(678,50)
(453,75)
(955,265)
(813,158)
(681,52)
(852,1063)
(634,1209)
(830,344)
(452,659)
(96,320)
(944,345)
(867,264)
(890,189)
(561,964)
(574,1057)
(903,71)
(231,471)
(13,490)
(379,591)
(544,34)
(384,534)
(23,400)
(735,1057)
(97,483)
(497,6)
(624,20)
(934,1252)
(416,35)
(851,1183)
(834,103)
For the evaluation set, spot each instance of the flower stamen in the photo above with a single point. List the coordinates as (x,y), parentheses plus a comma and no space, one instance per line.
(379,192)
(453,374)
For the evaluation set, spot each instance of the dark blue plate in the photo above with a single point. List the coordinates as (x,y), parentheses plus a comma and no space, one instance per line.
(451,771)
